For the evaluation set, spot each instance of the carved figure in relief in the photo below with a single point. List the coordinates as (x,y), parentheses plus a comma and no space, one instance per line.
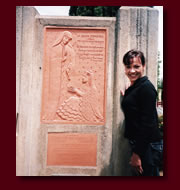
(83,105)
(67,54)
(61,61)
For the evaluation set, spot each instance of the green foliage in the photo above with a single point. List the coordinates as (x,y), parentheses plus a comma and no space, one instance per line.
(160,84)
(72,10)
(98,11)
(159,81)
(160,121)
(106,11)
(103,11)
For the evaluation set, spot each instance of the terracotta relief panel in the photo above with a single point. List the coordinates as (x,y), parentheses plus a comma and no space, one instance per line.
(71,149)
(74,75)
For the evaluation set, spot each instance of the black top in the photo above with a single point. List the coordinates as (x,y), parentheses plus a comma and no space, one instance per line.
(141,120)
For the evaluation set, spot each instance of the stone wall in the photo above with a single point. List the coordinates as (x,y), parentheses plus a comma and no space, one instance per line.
(137,28)
(134,27)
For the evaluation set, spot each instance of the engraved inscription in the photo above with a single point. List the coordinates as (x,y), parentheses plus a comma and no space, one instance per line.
(72,149)
(74,76)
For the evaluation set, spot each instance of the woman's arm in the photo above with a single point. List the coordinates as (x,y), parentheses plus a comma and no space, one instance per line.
(75,90)
(147,121)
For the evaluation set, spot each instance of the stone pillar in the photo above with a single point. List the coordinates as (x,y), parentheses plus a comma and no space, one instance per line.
(137,27)
(18,53)
(27,89)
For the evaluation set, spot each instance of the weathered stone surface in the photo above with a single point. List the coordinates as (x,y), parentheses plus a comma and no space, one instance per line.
(103,129)
(32,139)
(28,81)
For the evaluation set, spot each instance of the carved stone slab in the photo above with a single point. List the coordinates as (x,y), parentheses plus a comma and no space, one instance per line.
(74,75)
(71,149)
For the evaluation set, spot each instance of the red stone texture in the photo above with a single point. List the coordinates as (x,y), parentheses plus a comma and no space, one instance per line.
(74,75)
(71,149)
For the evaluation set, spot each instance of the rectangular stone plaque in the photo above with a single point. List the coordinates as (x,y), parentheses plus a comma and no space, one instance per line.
(71,149)
(74,75)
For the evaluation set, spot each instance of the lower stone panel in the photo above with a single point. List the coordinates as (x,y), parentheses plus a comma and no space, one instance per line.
(71,149)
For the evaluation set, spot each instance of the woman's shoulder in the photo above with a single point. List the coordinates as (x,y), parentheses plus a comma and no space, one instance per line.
(147,87)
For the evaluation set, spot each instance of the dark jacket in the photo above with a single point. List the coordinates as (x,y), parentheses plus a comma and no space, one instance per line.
(141,120)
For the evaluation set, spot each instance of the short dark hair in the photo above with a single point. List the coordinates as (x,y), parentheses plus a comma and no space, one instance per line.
(127,59)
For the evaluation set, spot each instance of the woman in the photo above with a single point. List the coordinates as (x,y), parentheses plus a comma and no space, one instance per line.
(141,121)
(61,61)
(82,105)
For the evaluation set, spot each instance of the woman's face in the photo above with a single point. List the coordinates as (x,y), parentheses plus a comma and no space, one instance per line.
(135,70)
(84,79)
(65,40)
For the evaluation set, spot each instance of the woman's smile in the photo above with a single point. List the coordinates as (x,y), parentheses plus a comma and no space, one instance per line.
(135,70)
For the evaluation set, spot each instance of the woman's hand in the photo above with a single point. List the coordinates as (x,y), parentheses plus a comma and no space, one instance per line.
(72,89)
(122,92)
(127,85)
(136,163)
(75,90)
